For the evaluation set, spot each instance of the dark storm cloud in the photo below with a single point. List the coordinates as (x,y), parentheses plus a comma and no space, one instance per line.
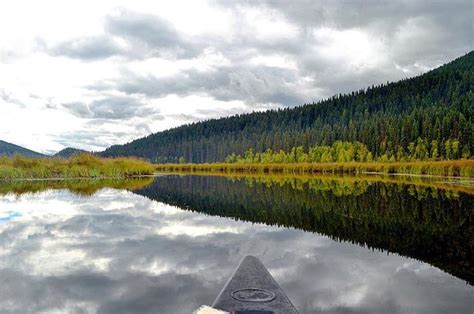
(150,33)
(118,108)
(111,108)
(414,35)
(79,109)
(251,84)
(438,30)
(385,15)
(143,36)
(403,38)
(88,48)
(360,13)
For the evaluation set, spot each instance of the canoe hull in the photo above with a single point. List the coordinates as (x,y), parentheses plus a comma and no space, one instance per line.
(252,288)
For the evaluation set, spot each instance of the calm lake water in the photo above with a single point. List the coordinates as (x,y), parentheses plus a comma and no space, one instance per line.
(169,244)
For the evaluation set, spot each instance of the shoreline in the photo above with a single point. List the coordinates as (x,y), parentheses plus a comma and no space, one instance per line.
(454,184)
(249,173)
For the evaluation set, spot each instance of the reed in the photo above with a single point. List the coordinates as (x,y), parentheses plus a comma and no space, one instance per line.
(79,166)
(447,168)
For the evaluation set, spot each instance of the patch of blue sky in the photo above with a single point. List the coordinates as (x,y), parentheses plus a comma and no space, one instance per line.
(9,216)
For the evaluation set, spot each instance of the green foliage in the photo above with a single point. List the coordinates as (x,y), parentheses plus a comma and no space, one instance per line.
(341,152)
(338,152)
(399,119)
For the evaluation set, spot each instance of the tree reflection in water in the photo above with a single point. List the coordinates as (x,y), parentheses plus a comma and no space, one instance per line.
(422,222)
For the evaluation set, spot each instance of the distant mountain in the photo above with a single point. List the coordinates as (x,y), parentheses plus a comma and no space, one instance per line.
(10,149)
(68,152)
(431,115)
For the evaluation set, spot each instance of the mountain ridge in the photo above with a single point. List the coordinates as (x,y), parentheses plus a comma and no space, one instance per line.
(9,149)
(69,152)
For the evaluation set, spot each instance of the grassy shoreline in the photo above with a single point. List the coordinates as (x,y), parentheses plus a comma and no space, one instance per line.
(448,168)
(89,166)
(79,166)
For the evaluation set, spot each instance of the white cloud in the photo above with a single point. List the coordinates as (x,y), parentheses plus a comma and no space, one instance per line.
(356,49)
(201,59)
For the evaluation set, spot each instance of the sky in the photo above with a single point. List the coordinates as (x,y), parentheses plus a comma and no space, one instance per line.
(90,74)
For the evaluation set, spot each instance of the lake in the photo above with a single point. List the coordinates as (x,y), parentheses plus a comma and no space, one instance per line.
(169,244)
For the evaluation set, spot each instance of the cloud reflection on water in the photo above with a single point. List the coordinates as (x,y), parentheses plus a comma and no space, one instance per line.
(117,252)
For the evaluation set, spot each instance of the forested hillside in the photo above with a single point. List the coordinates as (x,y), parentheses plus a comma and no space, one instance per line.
(69,152)
(429,113)
(9,149)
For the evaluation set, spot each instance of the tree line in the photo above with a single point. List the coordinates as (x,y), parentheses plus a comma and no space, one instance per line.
(341,151)
(425,116)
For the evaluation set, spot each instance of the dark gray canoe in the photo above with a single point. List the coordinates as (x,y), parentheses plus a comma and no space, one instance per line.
(252,289)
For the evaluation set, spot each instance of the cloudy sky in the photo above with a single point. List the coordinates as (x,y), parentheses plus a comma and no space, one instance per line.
(90,74)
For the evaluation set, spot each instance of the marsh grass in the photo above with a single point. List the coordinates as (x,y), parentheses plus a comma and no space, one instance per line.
(448,168)
(79,166)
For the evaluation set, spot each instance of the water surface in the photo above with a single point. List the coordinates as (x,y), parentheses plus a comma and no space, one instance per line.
(168,245)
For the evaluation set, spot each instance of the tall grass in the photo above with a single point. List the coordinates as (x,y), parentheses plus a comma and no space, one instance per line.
(449,168)
(79,166)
